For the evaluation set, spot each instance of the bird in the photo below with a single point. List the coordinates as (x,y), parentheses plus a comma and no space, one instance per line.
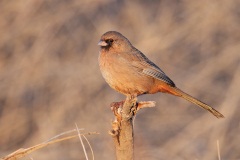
(128,71)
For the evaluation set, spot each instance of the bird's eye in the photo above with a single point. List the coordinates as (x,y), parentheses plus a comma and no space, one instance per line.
(110,40)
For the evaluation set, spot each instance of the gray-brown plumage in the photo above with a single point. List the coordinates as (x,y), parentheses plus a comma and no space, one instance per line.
(130,72)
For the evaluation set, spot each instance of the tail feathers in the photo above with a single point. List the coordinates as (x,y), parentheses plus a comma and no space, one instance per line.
(186,96)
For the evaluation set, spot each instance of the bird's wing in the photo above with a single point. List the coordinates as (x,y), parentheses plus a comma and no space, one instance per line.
(148,68)
(158,75)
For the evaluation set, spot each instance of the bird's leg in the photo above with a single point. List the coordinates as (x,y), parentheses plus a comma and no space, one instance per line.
(131,97)
(129,107)
(117,107)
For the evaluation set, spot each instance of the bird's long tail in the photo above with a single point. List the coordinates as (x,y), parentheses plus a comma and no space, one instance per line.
(176,91)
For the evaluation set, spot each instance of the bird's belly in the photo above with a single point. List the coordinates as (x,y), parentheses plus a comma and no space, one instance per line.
(128,85)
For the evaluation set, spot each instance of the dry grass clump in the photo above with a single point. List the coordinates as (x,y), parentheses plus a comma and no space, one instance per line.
(23,152)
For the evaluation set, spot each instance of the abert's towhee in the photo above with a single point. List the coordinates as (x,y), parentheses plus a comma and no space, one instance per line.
(130,72)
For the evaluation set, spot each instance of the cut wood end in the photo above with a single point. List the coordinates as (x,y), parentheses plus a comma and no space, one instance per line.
(146,104)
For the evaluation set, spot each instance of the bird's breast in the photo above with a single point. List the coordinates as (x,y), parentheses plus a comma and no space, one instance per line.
(122,76)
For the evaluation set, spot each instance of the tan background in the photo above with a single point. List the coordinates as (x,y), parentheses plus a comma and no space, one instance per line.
(50,79)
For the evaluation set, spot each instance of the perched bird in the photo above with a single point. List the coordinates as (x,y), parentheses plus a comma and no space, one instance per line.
(130,72)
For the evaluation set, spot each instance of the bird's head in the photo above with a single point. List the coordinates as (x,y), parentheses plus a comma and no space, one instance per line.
(113,40)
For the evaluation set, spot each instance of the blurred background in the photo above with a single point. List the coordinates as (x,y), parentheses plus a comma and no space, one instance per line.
(50,79)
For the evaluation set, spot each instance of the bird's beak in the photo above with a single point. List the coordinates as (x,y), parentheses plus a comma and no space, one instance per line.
(102,43)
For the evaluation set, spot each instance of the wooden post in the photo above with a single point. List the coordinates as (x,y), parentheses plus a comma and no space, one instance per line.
(122,128)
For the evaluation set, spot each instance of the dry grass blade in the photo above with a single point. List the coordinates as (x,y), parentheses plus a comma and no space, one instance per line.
(89,145)
(218,150)
(63,133)
(80,138)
